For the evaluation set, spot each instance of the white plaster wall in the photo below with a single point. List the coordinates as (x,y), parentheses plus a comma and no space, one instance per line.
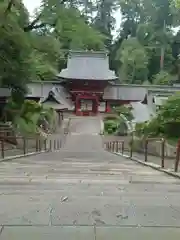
(150,103)
(39,90)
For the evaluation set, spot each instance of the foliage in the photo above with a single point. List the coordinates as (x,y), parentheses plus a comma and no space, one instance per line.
(177,2)
(122,128)
(111,123)
(144,49)
(110,126)
(111,117)
(124,110)
(139,129)
(15,60)
(115,123)
(148,23)
(134,61)
(38,45)
(28,117)
(166,123)
(162,78)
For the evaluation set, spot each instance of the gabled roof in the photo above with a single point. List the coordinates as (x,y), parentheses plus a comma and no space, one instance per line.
(87,65)
(56,98)
(51,98)
(52,101)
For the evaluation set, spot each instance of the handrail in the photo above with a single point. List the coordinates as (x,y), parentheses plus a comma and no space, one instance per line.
(40,145)
(119,147)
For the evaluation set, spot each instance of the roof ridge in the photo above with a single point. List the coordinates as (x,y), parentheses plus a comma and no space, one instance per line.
(88,51)
(94,54)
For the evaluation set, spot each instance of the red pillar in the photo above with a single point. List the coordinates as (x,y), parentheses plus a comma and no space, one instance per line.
(77,105)
(108,108)
(97,105)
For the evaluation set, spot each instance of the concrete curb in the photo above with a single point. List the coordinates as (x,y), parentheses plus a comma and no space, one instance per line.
(152,165)
(21,156)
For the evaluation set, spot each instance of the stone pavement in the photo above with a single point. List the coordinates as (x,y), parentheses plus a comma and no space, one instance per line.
(84,192)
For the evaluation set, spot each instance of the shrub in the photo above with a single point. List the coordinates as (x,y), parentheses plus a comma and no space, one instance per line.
(110,126)
(113,117)
(125,110)
(166,123)
(139,129)
(162,78)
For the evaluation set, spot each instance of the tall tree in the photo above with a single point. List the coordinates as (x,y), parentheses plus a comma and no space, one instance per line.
(104,20)
(150,22)
(134,61)
(39,44)
(15,50)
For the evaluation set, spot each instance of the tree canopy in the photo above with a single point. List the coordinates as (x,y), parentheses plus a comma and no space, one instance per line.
(145,49)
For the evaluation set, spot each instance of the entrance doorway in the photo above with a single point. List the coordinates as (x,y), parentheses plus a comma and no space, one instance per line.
(86,106)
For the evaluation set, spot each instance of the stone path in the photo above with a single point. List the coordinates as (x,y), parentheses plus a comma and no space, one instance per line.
(84,192)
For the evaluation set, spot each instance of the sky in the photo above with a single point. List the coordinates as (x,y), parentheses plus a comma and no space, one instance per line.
(31,5)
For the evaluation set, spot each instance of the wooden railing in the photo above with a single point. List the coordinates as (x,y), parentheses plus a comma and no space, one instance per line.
(119,147)
(36,145)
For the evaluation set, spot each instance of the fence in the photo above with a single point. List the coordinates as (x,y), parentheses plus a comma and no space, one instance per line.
(12,146)
(165,162)
(29,145)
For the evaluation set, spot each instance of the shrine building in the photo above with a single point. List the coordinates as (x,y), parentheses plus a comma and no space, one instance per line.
(87,87)
(91,83)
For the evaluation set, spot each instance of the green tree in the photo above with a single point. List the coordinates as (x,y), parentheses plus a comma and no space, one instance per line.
(104,20)
(65,20)
(150,22)
(162,78)
(131,16)
(15,48)
(167,121)
(169,117)
(38,45)
(177,2)
(134,61)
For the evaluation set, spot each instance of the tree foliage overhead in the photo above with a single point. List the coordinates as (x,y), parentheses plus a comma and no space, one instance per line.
(151,23)
(134,61)
(36,48)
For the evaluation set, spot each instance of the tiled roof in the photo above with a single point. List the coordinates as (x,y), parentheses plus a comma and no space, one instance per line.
(60,96)
(88,65)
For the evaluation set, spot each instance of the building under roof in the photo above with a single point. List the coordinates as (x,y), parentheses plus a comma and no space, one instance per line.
(87,86)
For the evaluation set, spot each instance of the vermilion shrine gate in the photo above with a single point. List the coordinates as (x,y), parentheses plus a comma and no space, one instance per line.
(86,76)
